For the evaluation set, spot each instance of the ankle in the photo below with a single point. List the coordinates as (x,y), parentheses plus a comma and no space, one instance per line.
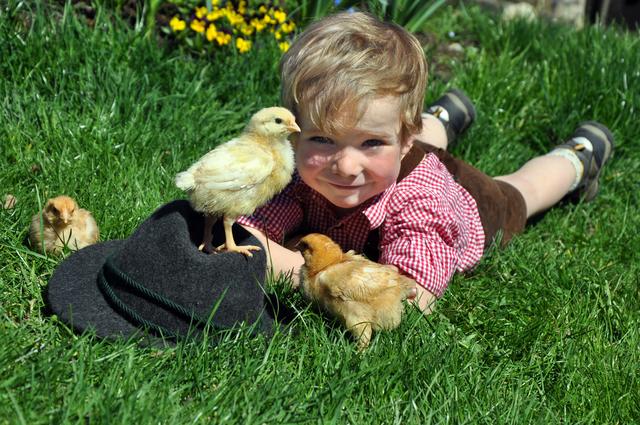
(576,161)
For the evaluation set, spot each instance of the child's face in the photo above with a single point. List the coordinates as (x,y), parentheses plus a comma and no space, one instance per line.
(361,162)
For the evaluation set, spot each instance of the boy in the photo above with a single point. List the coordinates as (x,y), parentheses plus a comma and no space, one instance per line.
(364,177)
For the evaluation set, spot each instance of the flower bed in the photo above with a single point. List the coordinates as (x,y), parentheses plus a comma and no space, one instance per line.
(231,25)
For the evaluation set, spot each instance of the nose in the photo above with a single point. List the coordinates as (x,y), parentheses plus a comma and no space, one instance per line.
(347,162)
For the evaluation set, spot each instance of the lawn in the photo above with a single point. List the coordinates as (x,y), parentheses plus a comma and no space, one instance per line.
(545,331)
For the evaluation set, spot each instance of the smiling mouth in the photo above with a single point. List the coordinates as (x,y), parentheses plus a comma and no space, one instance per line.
(345,186)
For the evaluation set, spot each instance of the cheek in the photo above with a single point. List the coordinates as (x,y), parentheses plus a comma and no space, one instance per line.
(314,161)
(311,158)
(386,166)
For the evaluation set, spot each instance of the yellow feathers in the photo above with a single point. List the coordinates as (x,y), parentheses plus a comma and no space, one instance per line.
(242,174)
(62,223)
(362,294)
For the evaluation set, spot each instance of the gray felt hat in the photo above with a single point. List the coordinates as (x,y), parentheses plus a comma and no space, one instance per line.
(156,284)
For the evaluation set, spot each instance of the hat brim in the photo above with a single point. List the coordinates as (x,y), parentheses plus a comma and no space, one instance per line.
(74,296)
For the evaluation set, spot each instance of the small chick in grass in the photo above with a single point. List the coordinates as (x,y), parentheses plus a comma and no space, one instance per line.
(242,174)
(365,296)
(62,223)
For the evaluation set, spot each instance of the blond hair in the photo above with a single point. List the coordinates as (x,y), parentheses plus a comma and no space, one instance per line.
(344,60)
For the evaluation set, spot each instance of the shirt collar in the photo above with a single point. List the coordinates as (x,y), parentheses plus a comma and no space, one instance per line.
(376,209)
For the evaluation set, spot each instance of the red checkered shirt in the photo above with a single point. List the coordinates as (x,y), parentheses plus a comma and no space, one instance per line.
(429,225)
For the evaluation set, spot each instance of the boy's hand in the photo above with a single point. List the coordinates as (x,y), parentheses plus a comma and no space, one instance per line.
(284,259)
(424,300)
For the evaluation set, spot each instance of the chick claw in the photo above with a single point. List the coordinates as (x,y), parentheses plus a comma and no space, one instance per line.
(243,249)
(207,248)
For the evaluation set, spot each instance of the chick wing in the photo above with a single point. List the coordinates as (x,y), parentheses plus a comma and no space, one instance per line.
(227,166)
(358,279)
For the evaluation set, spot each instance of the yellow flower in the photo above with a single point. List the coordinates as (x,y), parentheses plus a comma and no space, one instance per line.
(288,27)
(211,32)
(201,12)
(278,35)
(243,45)
(280,16)
(246,29)
(214,15)
(268,19)
(284,46)
(258,24)
(223,38)
(177,24)
(197,26)
(235,19)
(262,9)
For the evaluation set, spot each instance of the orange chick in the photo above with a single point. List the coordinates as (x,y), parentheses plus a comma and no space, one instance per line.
(62,223)
(242,174)
(365,296)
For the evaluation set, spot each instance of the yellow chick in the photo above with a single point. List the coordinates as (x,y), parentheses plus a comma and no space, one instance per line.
(62,223)
(242,174)
(363,295)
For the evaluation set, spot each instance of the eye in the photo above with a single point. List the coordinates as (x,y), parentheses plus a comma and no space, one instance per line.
(371,143)
(321,140)
(278,120)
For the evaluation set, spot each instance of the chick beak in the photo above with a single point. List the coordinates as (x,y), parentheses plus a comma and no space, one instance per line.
(293,127)
(301,246)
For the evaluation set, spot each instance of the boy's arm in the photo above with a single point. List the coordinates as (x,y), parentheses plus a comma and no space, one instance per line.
(287,261)
(282,259)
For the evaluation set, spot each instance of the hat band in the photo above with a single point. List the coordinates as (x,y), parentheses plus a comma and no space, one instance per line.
(118,277)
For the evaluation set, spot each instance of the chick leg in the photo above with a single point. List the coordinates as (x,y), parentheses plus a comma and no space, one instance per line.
(207,236)
(361,331)
(230,243)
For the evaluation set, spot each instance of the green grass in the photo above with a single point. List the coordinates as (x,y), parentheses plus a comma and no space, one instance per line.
(545,331)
